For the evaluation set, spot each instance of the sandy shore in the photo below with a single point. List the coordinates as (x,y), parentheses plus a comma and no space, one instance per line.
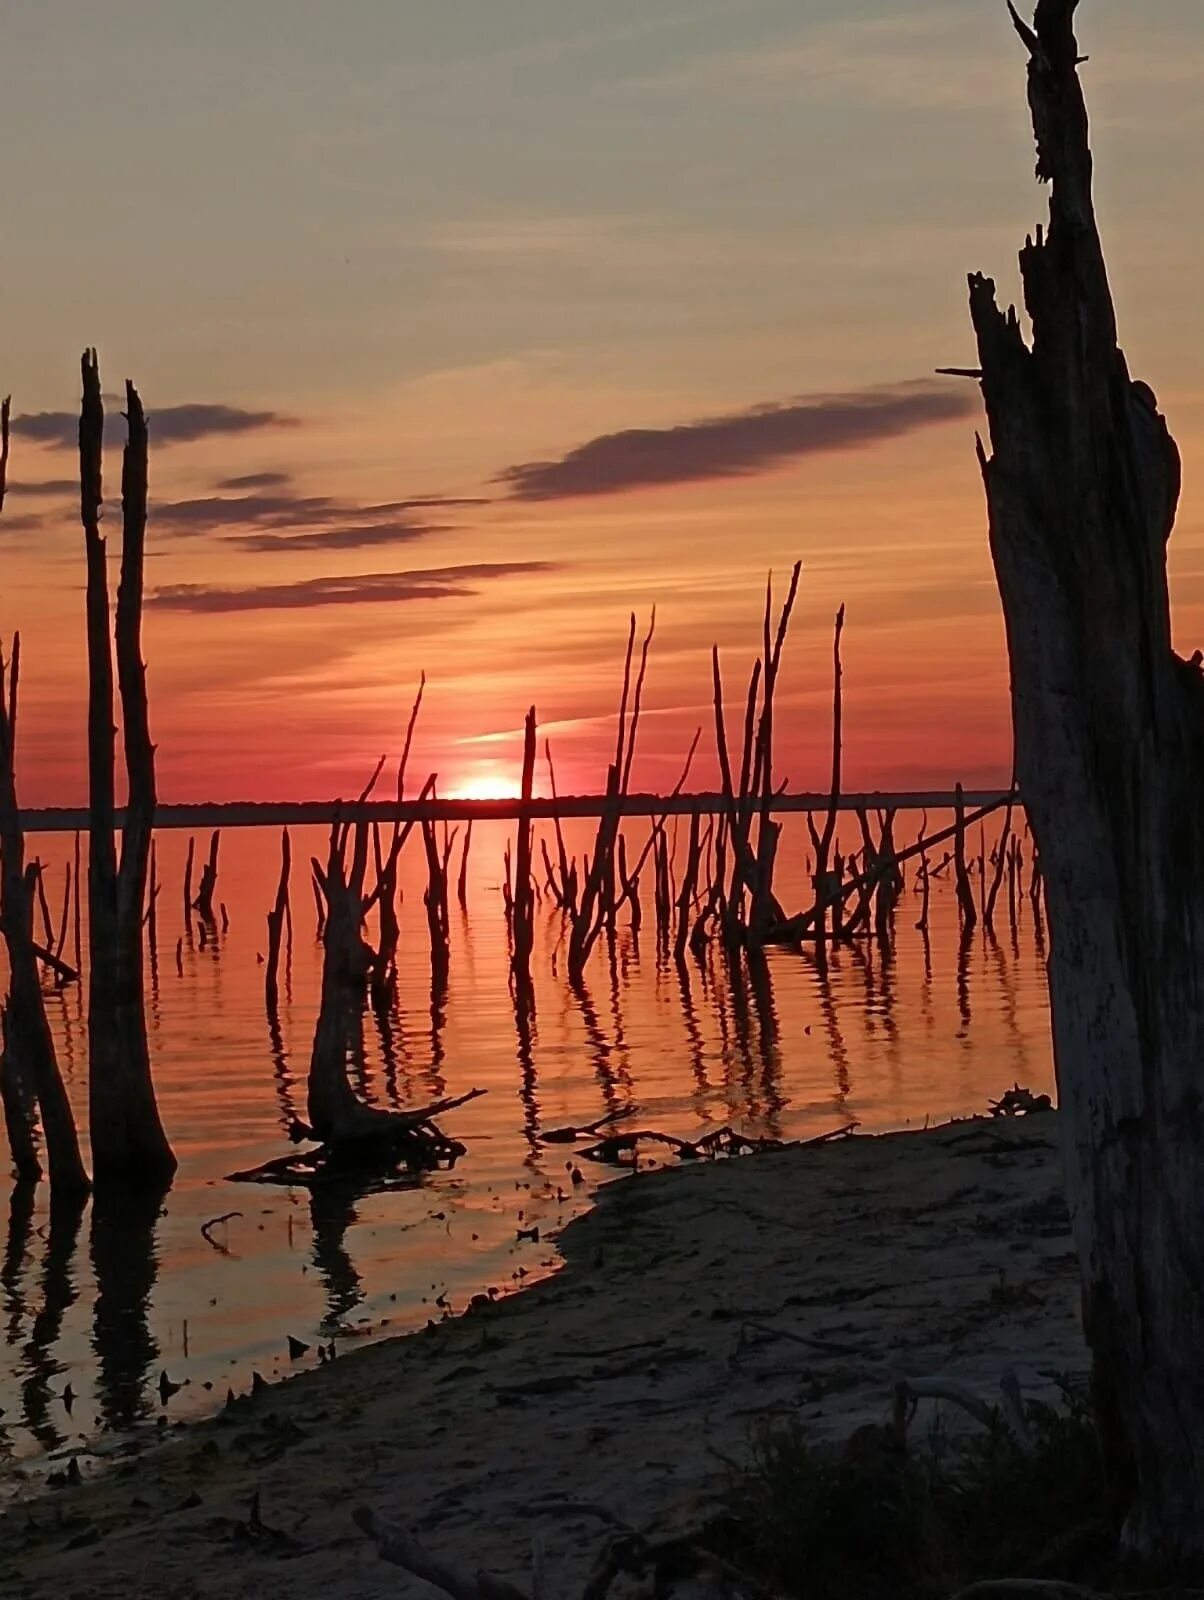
(693,1303)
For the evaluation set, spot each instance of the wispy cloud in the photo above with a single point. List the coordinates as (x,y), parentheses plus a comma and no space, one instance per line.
(256,480)
(283,520)
(356,536)
(740,443)
(27,522)
(44,488)
(365,588)
(182,424)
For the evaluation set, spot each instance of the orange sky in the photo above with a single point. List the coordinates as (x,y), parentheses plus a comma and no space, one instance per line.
(396,282)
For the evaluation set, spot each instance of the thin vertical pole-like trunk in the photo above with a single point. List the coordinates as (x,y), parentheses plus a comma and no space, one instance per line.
(128,1141)
(1082,487)
(276,921)
(965,894)
(523,892)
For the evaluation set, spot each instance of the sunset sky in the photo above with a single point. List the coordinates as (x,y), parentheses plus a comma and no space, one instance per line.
(467,326)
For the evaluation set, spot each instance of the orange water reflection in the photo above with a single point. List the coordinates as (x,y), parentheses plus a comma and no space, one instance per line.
(95,1307)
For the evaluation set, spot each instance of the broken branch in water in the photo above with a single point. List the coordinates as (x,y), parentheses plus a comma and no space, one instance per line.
(588,1130)
(389,1150)
(722,1142)
(226,1216)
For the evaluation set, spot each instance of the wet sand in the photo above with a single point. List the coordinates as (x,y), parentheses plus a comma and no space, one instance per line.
(693,1304)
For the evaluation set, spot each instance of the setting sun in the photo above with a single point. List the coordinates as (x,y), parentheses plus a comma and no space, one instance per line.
(491,782)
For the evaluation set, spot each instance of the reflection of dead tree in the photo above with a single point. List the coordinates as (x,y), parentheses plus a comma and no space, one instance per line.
(125,1267)
(128,1141)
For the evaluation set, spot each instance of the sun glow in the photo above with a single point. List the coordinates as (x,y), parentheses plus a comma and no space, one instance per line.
(493,782)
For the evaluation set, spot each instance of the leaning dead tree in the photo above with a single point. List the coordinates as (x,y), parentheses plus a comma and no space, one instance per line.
(29,1070)
(128,1142)
(1082,486)
(31,1086)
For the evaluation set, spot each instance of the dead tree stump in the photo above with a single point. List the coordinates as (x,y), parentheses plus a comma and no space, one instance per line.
(1082,487)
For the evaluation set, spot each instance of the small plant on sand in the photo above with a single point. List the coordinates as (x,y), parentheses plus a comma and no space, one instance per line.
(886,1515)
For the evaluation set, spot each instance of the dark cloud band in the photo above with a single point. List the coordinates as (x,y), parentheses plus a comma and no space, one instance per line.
(434,583)
(183,424)
(740,444)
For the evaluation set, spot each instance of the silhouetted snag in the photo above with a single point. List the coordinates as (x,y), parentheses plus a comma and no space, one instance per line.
(687,895)
(357,1137)
(77,919)
(822,842)
(1002,862)
(434,898)
(965,894)
(1082,488)
(925,877)
(276,920)
(6,406)
(203,904)
(599,898)
(188,860)
(523,893)
(151,918)
(462,879)
(128,1141)
(29,1070)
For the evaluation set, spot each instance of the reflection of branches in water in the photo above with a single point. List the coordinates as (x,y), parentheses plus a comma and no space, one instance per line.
(357,1056)
(702,1088)
(281,1071)
(769,1034)
(622,1069)
(16,1255)
(57,1295)
(737,990)
(125,1266)
(332,1211)
(434,1075)
(524,1024)
(1020,1069)
(389,1026)
(599,1048)
(66,1001)
(837,1048)
(963,982)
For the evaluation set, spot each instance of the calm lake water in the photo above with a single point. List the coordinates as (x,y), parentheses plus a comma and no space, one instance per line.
(96,1309)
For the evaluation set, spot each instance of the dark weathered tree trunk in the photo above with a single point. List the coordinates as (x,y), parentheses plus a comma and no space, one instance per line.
(276,920)
(29,1070)
(1082,488)
(128,1141)
(524,893)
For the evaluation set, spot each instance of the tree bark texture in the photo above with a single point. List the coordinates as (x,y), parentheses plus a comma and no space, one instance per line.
(1082,486)
(128,1142)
